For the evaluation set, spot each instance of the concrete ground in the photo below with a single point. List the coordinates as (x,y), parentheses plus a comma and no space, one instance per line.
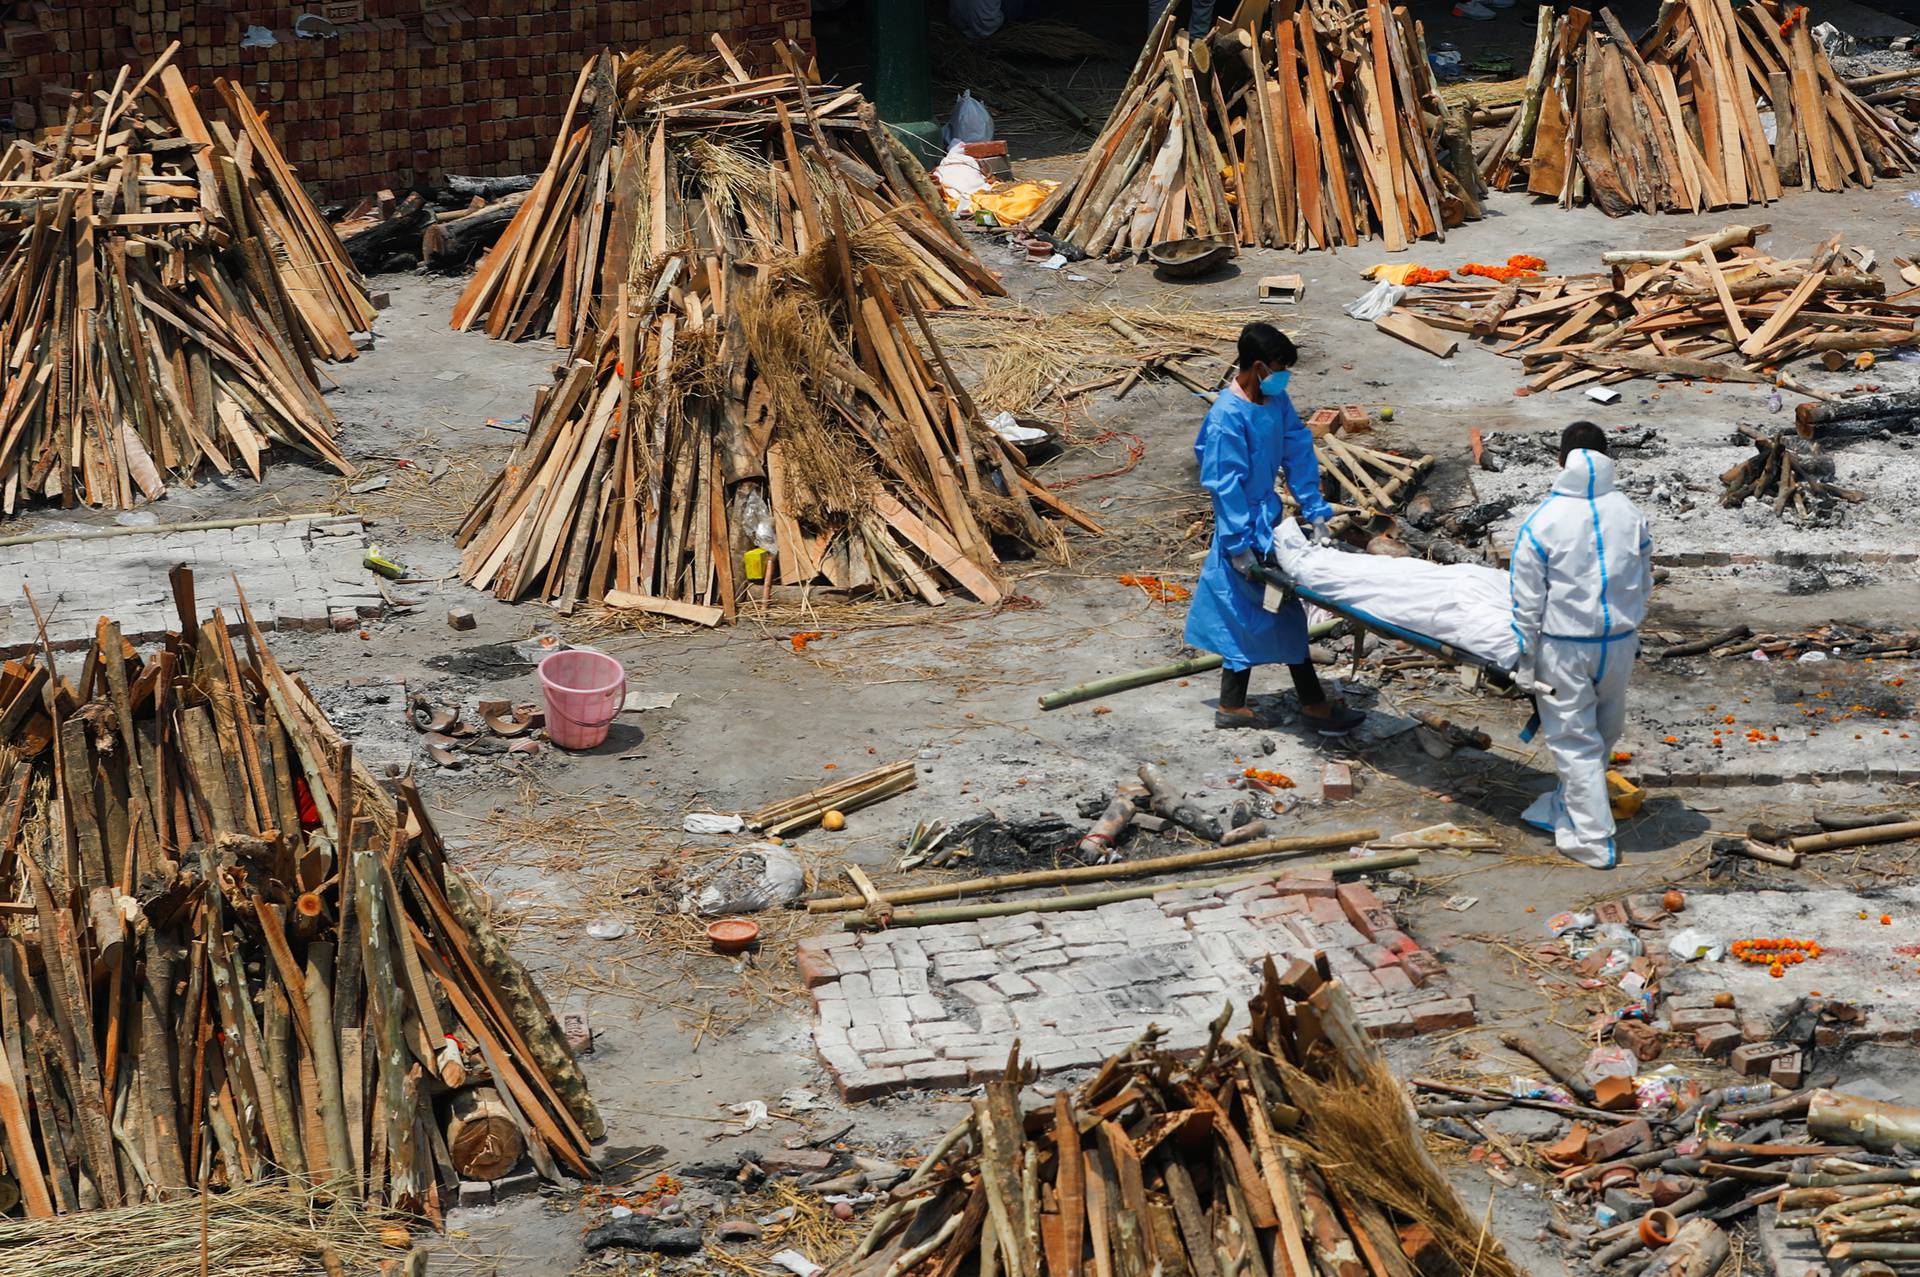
(680,1033)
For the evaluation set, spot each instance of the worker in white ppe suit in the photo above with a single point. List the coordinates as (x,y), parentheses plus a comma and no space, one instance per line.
(1582,569)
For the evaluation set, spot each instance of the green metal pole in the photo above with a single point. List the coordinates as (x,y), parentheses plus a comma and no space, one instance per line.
(903,73)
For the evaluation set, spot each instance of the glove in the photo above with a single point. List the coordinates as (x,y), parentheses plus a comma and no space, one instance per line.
(1524,679)
(1319,533)
(1243,563)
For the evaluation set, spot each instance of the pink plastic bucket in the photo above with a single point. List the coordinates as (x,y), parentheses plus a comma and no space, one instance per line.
(583,691)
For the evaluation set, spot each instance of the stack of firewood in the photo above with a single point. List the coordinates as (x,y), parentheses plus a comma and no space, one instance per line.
(1786,473)
(236,956)
(1675,122)
(168,288)
(1290,1149)
(758,396)
(659,149)
(1292,127)
(1717,310)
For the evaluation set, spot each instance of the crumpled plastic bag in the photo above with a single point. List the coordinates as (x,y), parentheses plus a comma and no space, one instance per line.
(1692,944)
(757,877)
(711,822)
(970,121)
(1376,302)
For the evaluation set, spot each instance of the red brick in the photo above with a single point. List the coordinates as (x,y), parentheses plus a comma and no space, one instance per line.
(1305,883)
(1422,967)
(869,1084)
(1387,1022)
(816,967)
(1446,1013)
(1376,957)
(1716,1040)
(1336,782)
(1361,984)
(1398,942)
(937,1073)
(1755,1058)
(1687,1019)
(1392,980)
(1325,911)
(1364,909)
(1787,1071)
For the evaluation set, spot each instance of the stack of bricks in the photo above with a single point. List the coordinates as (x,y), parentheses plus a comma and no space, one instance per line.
(942,1006)
(403,92)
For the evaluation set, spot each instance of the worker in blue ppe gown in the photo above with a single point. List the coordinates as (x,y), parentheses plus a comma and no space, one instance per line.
(1582,569)
(1250,436)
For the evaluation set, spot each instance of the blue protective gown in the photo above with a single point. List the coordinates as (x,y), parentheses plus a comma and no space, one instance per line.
(1243,448)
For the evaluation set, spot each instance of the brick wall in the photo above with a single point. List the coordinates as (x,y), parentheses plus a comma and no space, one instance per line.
(407,90)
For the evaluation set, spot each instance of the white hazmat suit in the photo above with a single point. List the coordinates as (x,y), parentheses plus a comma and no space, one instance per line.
(1581,572)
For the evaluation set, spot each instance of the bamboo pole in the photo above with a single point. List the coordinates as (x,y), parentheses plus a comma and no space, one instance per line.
(1152,674)
(1094,899)
(1901,832)
(1278,847)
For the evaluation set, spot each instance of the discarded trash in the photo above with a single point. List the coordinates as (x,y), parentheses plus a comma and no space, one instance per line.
(970,121)
(708,822)
(757,877)
(1460,904)
(796,1263)
(370,485)
(753,1114)
(1809,658)
(378,562)
(638,700)
(1377,302)
(1693,944)
(258,38)
(607,929)
(1561,923)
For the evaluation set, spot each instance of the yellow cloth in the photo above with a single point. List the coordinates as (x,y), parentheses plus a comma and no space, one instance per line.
(1395,273)
(1013,203)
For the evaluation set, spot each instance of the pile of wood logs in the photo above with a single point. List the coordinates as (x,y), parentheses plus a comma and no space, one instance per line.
(1784,473)
(235,956)
(446,227)
(1717,309)
(1675,122)
(657,148)
(1291,127)
(1839,640)
(766,380)
(1288,1149)
(167,290)
(1361,481)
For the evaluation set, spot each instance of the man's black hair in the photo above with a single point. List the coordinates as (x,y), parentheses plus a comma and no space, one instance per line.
(1582,434)
(1262,343)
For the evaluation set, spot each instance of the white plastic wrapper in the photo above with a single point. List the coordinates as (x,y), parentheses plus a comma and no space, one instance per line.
(1457,603)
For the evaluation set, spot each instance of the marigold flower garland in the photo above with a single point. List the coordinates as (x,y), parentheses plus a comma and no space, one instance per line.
(1776,953)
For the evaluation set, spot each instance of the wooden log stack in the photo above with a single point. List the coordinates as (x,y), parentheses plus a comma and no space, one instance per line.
(1292,126)
(1674,123)
(1290,1149)
(168,289)
(655,148)
(234,956)
(764,378)
(1716,310)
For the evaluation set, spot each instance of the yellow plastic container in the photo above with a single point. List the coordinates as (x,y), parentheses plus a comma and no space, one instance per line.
(1623,796)
(755,561)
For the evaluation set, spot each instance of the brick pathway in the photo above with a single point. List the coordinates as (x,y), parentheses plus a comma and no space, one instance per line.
(298,574)
(942,1006)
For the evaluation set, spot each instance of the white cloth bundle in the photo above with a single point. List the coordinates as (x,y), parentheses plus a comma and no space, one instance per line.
(1457,603)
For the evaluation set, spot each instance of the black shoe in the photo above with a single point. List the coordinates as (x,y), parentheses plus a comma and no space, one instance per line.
(1337,721)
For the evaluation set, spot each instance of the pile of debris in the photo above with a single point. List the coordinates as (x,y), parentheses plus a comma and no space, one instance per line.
(655,149)
(1839,641)
(1717,309)
(764,403)
(1784,471)
(1292,128)
(239,957)
(1291,1145)
(1676,123)
(171,287)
